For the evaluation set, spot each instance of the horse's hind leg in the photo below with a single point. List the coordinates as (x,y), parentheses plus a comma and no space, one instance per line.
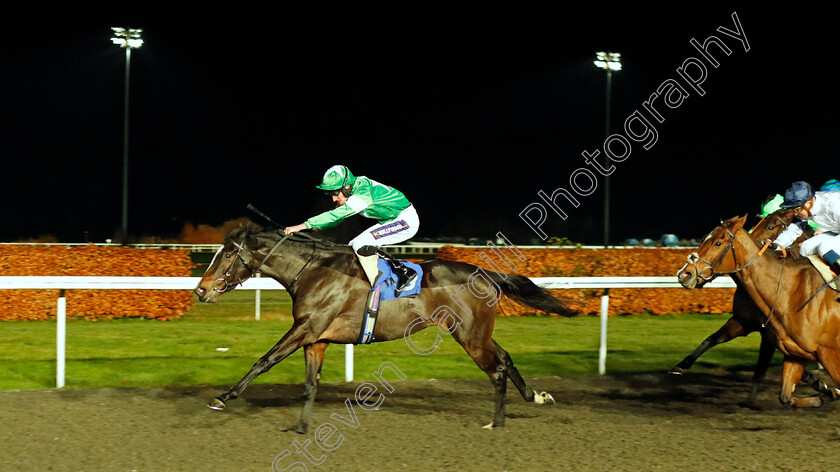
(314,356)
(765,355)
(489,359)
(496,363)
(515,377)
(729,331)
(499,379)
(289,343)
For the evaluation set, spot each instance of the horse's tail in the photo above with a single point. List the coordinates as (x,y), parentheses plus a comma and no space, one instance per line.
(525,292)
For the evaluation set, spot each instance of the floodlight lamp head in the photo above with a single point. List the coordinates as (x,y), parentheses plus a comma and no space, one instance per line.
(608,60)
(130,38)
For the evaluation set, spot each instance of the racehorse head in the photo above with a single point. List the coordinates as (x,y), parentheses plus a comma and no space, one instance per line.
(231,266)
(771,225)
(714,256)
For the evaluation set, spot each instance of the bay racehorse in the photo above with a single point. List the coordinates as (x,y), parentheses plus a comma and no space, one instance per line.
(329,290)
(801,319)
(747,317)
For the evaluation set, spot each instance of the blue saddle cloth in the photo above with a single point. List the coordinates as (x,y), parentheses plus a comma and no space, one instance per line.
(388,280)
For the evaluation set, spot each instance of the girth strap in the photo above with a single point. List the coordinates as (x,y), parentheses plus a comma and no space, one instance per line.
(370,316)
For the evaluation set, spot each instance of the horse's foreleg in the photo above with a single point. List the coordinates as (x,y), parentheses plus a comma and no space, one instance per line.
(314,356)
(729,331)
(765,355)
(514,375)
(289,343)
(792,370)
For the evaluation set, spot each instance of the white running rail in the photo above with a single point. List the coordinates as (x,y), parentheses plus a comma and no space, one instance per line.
(63,283)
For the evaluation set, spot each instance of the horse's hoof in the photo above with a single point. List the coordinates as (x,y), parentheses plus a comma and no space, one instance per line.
(216,404)
(489,426)
(677,371)
(544,398)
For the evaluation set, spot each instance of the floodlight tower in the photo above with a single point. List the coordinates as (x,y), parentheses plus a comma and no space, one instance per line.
(609,61)
(128,39)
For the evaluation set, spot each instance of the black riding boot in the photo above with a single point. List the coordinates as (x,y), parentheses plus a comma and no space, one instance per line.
(835,268)
(833,260)
(405,274)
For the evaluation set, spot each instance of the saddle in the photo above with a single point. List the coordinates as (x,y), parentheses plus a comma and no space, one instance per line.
(825,271)
(384,289)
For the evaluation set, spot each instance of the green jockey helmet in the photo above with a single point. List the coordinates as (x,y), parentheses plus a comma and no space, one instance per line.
(771,205)
(337,177)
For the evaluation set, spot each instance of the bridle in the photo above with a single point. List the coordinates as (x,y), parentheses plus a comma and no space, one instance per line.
(781,221)
(227,285)
(694,258)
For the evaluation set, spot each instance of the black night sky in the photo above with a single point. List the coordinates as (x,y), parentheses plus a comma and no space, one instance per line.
(469,110)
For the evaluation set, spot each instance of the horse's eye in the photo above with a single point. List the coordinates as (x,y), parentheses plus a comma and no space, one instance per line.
(770,228)
(227,256)
(717,244)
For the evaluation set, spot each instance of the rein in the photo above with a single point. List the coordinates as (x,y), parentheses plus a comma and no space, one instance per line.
(311,256)
(776,297)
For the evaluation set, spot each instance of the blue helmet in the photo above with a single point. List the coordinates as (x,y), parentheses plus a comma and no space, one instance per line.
(799,193)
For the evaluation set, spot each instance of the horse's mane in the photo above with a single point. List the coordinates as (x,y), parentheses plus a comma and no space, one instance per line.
(276,232)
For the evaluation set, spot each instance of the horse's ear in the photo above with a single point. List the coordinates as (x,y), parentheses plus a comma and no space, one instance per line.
(239,230)
(739,222)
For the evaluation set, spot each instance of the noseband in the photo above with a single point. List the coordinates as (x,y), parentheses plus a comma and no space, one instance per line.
(223,281)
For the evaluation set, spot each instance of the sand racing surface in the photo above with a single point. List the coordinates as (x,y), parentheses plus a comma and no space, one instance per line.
(649,422)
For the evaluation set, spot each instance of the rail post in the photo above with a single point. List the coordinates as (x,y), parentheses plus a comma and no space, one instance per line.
(60,336)
(602,354)
(348,362)
(257,302)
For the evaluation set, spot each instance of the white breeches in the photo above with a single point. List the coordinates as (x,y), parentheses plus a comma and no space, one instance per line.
(821,244)
(400,229)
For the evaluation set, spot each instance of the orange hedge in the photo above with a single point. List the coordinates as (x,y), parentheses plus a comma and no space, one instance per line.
(652,262)
(22,260)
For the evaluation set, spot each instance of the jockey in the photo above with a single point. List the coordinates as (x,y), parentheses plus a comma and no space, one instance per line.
(396,219)
(823,208)
(774,204)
